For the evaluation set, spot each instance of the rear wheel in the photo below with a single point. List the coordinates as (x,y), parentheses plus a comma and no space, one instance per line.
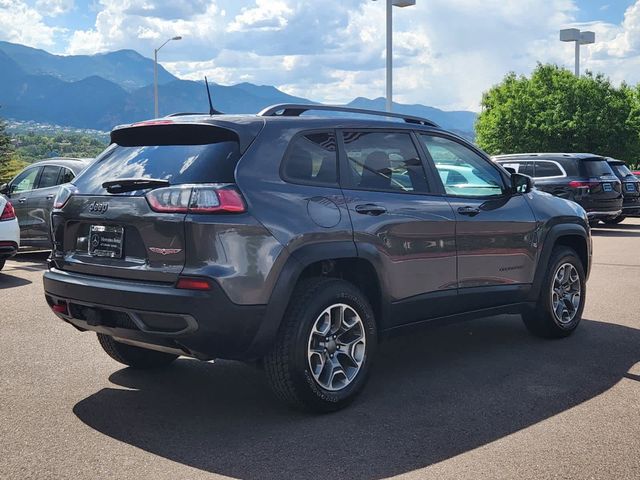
(2,264)
(134,357)
(614,221)
(323,352)
(562,296)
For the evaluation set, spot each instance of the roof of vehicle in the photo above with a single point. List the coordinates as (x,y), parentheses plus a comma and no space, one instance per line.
(615,161)
(247,126)
(553,156)
(75,164)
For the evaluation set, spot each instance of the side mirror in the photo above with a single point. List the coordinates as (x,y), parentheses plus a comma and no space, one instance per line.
(521,183)
(511,170)
(4,188)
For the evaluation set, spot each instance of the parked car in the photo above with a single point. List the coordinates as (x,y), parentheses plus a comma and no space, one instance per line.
(584,178)
(32,192)
(630,190)
(9,231)
(301,241)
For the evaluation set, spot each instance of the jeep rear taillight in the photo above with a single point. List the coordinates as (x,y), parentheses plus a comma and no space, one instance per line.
(205,198)
(8,213)
(581,184)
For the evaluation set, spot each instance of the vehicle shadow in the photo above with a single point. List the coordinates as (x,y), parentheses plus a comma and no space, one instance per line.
(431,396)
(9,281)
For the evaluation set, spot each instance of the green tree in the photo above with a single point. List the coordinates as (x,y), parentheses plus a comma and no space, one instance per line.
(10,164)
(554,111)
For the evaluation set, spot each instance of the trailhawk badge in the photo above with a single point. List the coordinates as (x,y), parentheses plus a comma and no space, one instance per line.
(165,251)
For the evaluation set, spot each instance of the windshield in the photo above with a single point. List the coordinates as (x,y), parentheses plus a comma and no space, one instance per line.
(621,169)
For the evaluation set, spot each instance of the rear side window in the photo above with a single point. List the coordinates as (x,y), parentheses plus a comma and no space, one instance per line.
(596,168)
(311,159)
(49,177)
(383,161)
(66,176)
(545,169)
(179,164)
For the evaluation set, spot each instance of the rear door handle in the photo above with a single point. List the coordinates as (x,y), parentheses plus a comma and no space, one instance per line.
(370,209)
(22,200)
(469,211)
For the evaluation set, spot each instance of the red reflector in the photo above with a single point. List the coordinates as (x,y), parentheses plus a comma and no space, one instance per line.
(579,184)
(8,213)
(193,284)
(60,308)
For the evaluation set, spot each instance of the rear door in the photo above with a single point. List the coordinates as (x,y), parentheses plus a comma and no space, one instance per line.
(496,230)
(41,202)
(119,234)
(401,220)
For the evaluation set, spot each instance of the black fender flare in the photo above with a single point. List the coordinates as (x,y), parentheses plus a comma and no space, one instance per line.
(288,277)
(551,238)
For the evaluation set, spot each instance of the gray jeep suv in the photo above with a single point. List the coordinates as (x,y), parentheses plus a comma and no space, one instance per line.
(302,241)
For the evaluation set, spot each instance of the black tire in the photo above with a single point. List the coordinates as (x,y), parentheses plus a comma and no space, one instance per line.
(594,223)
(614,221)
(134,357)
(287,365)
(2,264)
(541,320)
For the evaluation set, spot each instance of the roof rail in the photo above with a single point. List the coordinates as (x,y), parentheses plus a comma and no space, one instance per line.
(184,114)
(295,110)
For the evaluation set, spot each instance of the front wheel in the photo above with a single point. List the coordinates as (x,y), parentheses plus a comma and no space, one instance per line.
(134,357)
(325,346)
(562,296)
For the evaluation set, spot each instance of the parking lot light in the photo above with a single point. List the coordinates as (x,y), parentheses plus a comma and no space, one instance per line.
(389,49)
(155,74)
(579,38)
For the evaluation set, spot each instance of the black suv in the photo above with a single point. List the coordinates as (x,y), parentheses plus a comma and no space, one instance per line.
(300,241)
(630,190)
(582,177)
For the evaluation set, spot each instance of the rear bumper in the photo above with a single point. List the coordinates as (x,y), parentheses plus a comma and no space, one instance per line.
(8,249)
(631,206)
(204,325)
(600,214)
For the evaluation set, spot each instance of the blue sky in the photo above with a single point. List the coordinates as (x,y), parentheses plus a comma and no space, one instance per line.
(446,52)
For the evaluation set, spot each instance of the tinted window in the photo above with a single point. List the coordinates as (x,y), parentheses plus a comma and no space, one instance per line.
(621,169)
(596,168)
(49,177)
(25,181)
(384,161)
(66,176)
(463,171)
(312,159)
(523,167)
(548,169)
(178,164)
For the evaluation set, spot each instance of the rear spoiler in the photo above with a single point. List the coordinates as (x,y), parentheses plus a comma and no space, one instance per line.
(169,132)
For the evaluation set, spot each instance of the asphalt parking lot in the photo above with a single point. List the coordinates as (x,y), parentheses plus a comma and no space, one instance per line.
(476,400)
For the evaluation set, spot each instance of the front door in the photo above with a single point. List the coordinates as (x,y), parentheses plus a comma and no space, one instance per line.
(496,229)
(400,222)
(20,192)
(41,202)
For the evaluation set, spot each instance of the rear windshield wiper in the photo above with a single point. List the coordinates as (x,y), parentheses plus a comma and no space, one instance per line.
(130,184)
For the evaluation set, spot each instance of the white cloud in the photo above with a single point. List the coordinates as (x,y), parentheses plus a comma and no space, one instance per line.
(267,15)
(20,23)
(53,8)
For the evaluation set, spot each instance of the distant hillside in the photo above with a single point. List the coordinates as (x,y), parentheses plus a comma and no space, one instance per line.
(126,68)
(100,91)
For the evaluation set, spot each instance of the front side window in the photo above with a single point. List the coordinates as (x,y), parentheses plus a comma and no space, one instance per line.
(25,181)
(463,172)
(312,159)
(49,177)
(383,161)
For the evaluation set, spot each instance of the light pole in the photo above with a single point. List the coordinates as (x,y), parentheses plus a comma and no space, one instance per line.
(155,74)
(580,38)
(390,5)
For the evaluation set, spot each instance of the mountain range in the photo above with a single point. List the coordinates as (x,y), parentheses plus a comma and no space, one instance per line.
(107,89)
